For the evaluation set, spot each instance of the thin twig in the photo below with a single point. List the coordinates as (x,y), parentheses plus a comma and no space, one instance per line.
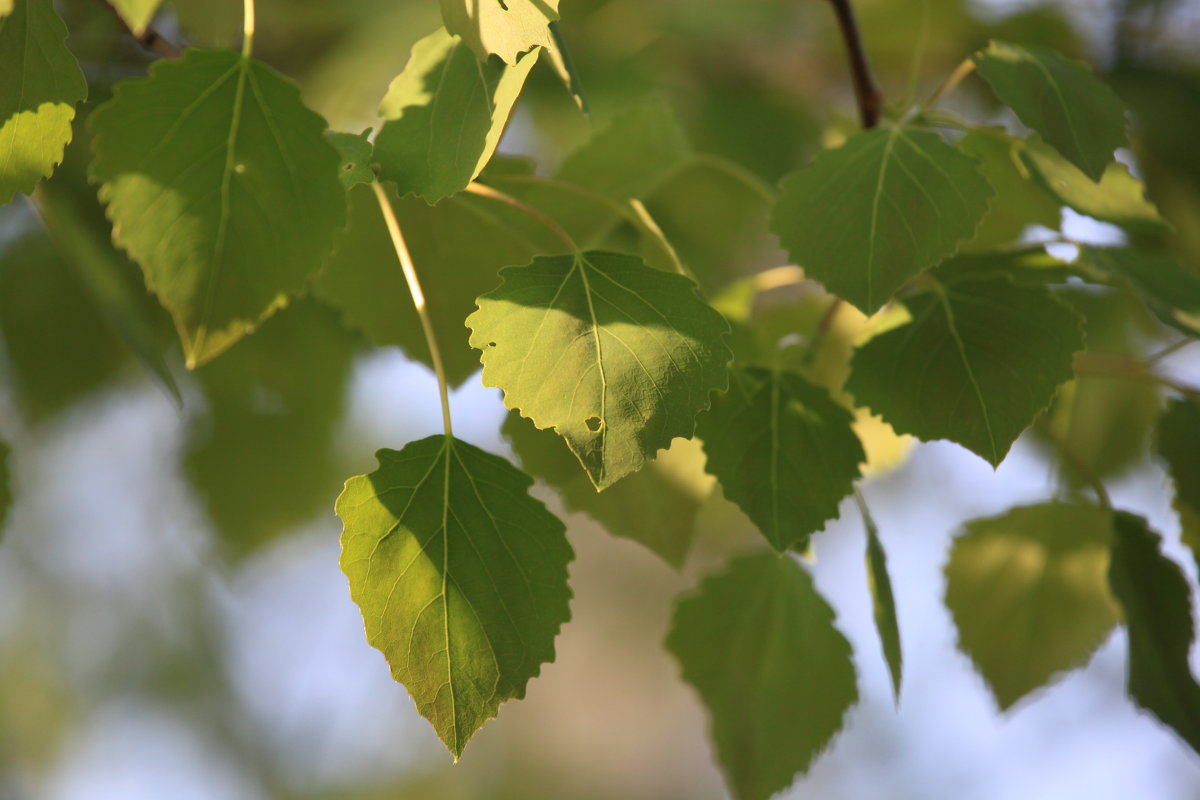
(866,91)
(149,38)
(499,196)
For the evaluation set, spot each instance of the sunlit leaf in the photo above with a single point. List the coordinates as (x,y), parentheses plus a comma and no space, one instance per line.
(1157,602)
(1029,594)
(759,645)
(783,450)
(1073,110)
(136,13)
(888,204)
(977,363)
(1019,202)
(443,116)
(655,506)
(41,85)
(461,577)
(618,357)
(221,186)
(506,28)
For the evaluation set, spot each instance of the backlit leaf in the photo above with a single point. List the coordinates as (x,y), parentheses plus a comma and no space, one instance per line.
(1157,602)
(1073,110)
(461,577)
(979,360)
(136,13)
(1029,594)
(783,450)
(443,116)
(221,186)
(355,152)
(759,645)
(885,206)
(1019,202)
(655,506)
(506,28)
(42,83)
(618,357)
(1169,289)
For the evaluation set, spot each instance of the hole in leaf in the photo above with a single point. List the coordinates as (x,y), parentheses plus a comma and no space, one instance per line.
(491,344)
(594,424)
(348,167)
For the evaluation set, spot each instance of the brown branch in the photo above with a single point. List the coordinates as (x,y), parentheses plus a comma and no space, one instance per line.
(150,39)
(866,91)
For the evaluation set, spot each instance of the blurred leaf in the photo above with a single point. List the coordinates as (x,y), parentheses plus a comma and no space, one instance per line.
(557,334)
(1158,613)
(1171,291)
(1118,197)
(506,28)
(655,506)
(458,248)
(355,152)
(1178,441)
(1027,266)
(41,86)
(1061,99)
(136,13)
(55,360)
(979,360)
(214,158)
(263,457)
(564,66)
(759,645)
(783,450)
(866,217)
(445,528)
(6,496)
(883,602)
(1019,202)
(443,116)
(1029,594)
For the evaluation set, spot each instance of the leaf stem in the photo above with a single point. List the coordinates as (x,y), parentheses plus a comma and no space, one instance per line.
(953,79)
(866,91)
(499,196)
(418,298)
(1154,358)
(149,38)
(247,28)
(1076,463)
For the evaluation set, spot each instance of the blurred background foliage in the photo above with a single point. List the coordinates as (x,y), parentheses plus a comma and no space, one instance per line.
(172,623)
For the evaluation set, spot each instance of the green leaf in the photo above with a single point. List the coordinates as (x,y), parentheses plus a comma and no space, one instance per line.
(656,506)
(265,458)
(461,577)
(221,186)
(1019,201)
(136,13)
(41,85)
(1178,442)
(618,357)
(458,247)
(1118,197)
(883,603)
(506,28)
(885,206)
(1029,593)
(1158,613)
(444,115)
(977,363)
(1169,290)
(564,67)
(783,450)
(355,152)
(759,645)
(1061,99)
(6,496)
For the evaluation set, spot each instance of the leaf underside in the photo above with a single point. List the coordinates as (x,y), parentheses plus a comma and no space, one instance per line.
(460,575)
(977,363)
(618,357)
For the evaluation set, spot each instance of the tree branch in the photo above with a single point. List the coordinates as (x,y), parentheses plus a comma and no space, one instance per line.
(150,39)
(866,91)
